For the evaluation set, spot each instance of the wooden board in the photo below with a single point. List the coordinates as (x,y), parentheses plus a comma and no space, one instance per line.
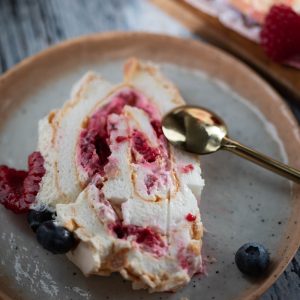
(287,79)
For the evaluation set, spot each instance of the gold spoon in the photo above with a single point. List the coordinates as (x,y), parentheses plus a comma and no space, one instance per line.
(198,130)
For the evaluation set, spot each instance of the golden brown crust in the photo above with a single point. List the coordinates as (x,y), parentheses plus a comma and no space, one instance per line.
(71,225)
(196,231)
(133,66)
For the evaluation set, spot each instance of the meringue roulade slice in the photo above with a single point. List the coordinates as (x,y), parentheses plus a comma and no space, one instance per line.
(129,197)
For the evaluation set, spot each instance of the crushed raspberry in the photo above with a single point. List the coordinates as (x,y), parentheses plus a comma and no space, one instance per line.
(120,231)
(185,259)
(145,236)
(190,217)
(157,128)
(150,182)
(188,168)
(102,150)
(120,139)
(129,98)
(141,145)
(11,188)
(94,152)
(18,189)
(93,147)
(280,35)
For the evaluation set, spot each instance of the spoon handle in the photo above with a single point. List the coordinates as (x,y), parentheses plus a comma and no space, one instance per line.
(261,159)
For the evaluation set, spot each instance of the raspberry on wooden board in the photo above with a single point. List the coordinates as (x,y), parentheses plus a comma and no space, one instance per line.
(280,35)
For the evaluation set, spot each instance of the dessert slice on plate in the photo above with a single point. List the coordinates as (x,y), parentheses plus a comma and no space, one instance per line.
(128,198)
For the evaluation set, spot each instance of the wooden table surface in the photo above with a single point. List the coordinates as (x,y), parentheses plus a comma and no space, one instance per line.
(29,26)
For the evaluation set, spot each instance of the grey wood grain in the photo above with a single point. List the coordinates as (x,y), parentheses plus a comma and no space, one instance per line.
(29,26)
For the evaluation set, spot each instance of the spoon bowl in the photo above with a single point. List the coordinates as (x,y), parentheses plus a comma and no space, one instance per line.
(194,129)
(199,130)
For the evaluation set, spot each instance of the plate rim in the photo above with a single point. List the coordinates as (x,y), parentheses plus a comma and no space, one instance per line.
(194,46)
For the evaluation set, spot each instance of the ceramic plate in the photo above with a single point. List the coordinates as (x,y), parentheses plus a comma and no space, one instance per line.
(241,202)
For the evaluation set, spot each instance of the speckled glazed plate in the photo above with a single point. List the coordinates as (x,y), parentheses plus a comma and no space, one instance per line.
(241,202)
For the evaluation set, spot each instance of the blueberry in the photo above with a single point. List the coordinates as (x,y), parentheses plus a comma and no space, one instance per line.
(54,238)
(36,217)
(252,259)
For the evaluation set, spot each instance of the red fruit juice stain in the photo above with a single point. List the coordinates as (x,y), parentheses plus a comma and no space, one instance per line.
(188,168)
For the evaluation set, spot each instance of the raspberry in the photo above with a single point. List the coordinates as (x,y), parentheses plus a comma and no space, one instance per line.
(18,189)
(11,187)
(141,145)
(94,151)
(280,35)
